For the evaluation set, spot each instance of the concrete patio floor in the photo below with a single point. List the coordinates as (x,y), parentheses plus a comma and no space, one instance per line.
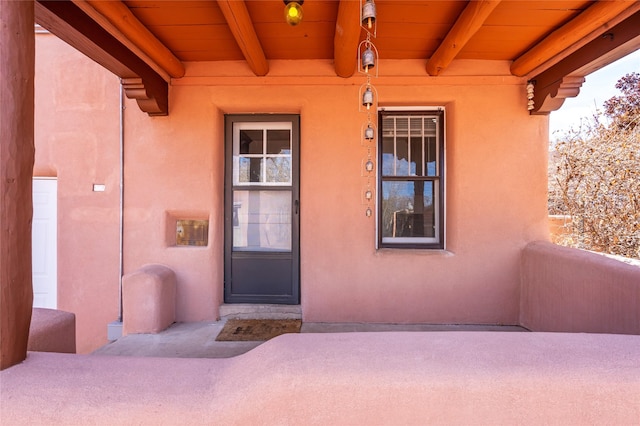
(198,339)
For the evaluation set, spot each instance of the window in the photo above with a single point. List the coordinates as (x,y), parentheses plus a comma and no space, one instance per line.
(262,154)
(411,180)
(262,180)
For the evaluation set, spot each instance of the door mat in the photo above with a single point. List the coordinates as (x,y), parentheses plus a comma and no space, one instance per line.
(241,330)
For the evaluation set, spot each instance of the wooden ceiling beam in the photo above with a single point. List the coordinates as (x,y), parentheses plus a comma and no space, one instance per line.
(76,28)
(237,16)
(592,22)
(467,24)
(564,79)
(119,15)
(346,38)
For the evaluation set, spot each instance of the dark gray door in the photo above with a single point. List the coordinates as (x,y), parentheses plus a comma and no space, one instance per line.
(262,209)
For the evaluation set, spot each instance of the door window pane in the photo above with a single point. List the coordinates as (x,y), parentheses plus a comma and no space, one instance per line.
(251,142)
(278,169)
(250,169)
(261,220)
(262,154)
(278,142)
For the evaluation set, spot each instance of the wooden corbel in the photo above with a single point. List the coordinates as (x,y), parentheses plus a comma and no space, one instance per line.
(551,97)
(153,102)
(74,26)
(564,79)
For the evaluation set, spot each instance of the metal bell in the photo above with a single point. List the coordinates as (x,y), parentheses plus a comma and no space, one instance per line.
(367,98)
(368,13)
(369,133)
(368,59)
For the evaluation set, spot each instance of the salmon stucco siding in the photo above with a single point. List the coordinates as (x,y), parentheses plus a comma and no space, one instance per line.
(495,187)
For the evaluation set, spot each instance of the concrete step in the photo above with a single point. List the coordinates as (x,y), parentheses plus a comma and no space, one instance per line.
(259,311)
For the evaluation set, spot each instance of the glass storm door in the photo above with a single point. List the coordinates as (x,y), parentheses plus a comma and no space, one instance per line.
(262,209)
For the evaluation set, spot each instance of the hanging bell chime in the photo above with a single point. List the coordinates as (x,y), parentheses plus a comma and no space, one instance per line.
(368,166)
(367,98)
(368,14)
(369,133)
(368,59)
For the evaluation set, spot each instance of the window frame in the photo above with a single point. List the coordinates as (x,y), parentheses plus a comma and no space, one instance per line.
(264,156)
(438,241)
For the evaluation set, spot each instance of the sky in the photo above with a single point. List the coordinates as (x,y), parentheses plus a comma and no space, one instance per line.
(598,87)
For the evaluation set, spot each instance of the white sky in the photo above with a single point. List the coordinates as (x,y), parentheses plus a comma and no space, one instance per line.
(598,87)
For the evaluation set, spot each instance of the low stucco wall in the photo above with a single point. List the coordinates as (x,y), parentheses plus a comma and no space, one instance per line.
(571,290)
(52,330)
(148,299)
(344,379)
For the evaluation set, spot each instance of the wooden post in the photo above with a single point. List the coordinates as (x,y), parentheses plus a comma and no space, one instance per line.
(17,68)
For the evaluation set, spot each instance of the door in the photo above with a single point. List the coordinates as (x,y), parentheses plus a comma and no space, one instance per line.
(262,209)
(44,239)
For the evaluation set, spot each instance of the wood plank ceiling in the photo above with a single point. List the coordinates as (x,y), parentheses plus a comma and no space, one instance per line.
(535,35)
(198,31)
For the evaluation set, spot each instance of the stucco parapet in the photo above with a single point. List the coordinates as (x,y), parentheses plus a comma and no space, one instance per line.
(345,378)
(589,257)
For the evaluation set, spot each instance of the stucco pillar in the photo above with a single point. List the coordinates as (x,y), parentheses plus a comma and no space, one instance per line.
(17,58)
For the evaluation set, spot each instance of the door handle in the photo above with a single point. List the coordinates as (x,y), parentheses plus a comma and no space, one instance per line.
(296,203)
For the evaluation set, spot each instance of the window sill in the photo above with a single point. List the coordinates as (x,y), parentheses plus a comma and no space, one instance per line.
(393,251)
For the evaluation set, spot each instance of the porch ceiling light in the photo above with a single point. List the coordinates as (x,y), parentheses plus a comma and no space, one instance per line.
(293,11)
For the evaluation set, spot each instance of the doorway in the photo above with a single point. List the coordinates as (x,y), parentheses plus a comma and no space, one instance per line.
(44,243)
(262,209)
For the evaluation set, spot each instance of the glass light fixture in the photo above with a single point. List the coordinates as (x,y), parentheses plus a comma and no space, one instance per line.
(368,14)
(369,212)
(293,11)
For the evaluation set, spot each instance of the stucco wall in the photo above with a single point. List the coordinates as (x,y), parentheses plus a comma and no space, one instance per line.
(77,142)
(570,290)
(495,189)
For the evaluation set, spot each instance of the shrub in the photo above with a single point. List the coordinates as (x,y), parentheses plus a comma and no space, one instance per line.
(594,176)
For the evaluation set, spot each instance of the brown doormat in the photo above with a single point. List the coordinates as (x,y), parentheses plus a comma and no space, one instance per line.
(238,330)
